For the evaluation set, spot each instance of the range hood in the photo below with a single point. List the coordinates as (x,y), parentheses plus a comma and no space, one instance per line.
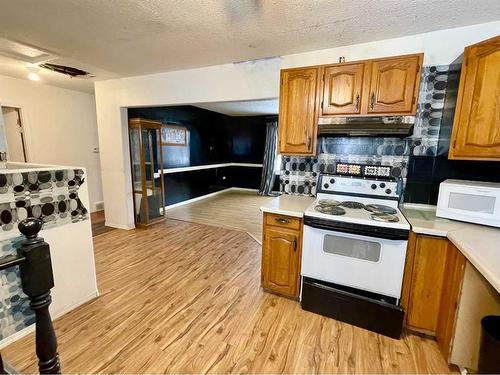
(398,126)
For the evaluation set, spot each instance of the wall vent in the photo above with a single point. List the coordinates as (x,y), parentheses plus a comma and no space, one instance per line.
(98,206)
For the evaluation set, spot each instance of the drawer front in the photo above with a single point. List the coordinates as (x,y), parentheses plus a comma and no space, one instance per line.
(283,221)
(364,312)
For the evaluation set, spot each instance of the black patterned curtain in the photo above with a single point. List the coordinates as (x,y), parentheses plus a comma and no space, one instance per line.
(267,180)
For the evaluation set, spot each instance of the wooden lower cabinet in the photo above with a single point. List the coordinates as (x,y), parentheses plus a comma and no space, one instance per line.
(426,282)
(452,285)
(431,288)
(281,255)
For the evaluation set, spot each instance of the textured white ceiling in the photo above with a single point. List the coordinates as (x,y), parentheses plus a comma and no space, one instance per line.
(243,108)
(135,37)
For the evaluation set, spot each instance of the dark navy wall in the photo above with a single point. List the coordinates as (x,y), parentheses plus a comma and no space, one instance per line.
(213,138)
(208,143)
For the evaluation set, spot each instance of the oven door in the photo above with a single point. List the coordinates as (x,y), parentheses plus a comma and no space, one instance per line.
(364,262)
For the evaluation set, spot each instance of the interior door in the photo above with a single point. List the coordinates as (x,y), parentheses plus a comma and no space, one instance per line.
(476,131)
(14,135)
(342,89)
(281,257)
(298,114)
(394,84)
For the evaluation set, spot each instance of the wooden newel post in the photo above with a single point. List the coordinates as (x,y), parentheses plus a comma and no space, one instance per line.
(37,280)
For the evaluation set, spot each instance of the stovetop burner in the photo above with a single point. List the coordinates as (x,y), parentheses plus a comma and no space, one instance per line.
(380,208)
(331,210)
(352,204)
(328,202)
(388,218)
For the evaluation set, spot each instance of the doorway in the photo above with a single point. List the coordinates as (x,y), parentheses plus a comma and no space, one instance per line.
(14,135)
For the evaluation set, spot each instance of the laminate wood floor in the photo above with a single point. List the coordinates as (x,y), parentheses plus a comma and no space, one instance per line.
(232,209)
(185,298)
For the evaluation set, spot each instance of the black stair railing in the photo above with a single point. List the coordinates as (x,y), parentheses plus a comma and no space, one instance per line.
(33,259)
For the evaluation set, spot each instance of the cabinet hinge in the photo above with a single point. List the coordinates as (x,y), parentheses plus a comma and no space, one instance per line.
(321,105)
(418,68)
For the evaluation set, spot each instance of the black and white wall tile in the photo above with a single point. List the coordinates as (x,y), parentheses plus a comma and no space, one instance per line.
(15,313)
(298,174)
(49,195)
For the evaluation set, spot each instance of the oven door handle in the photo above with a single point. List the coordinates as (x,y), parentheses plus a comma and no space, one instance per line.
(359,229)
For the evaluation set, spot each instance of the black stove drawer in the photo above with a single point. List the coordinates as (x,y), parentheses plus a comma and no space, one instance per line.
(373,315)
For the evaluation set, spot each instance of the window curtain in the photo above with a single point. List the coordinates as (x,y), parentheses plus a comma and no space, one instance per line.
(268,165)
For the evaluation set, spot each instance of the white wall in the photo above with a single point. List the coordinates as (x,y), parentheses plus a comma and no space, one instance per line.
(60,127)
(231,82)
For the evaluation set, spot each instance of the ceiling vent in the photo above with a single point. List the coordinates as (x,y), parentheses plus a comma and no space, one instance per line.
(67,70)
(24,52)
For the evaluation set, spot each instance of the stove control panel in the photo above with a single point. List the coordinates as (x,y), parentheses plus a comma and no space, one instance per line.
(357,186)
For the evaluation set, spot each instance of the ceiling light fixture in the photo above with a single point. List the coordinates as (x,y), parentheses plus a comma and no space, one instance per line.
(33,73)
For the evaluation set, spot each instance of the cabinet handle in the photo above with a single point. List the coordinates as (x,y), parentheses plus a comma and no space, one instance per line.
(372,100)
(295,244)
(356,103)
(309,142)
(281,220)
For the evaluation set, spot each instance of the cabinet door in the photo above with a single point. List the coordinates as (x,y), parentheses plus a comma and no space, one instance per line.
(394,84)
(281,261)
(298,110)
(426,284)
(476,128)
(342,89)
(452,285)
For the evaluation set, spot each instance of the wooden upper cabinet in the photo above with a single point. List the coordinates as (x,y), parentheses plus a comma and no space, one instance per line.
(343,85)
(476,127)
(394,84)
(298,117)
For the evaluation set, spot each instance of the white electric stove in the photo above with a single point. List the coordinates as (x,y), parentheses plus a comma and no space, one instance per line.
(354,243)
(358,201)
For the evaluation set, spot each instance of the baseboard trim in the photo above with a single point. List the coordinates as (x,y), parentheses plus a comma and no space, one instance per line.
(118,226)
(243,189)
(27,330)
(201,197)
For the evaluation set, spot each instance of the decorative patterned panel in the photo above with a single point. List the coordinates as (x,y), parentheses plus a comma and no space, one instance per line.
(49,195)
(15,313)
(299,174)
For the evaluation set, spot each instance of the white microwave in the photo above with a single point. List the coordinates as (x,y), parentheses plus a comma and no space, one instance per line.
(470,201)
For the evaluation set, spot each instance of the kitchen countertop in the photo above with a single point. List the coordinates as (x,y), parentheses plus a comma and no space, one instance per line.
(291,205)
(478,243)
(423,220)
